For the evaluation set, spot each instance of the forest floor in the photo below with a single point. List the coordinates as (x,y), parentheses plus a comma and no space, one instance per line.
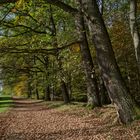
(38,120)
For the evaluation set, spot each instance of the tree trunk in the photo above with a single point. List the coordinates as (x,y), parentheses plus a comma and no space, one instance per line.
(69,90)
(64,89)
(55,44)
(134,30)
(104,95)
(92,85)
(36,92)
(52,91)
(135,35)
(29,94)
(29,90)
(47,74)
(65,92)
(107,63)
(69,86)
(47,94)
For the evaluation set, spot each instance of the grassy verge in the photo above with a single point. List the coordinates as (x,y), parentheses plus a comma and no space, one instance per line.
(61,106)
(5,102)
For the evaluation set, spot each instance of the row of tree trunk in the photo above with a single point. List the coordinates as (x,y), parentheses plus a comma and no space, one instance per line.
(110,72)
(119,94)
(111,75)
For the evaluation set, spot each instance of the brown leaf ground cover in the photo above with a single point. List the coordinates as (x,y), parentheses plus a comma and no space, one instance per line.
(37,120)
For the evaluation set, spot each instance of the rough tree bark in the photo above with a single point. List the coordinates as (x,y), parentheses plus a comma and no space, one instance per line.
(104,95)
(134,30)
(92,85)
(107,63)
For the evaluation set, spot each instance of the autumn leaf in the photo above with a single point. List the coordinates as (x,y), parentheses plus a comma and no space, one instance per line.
(75,47)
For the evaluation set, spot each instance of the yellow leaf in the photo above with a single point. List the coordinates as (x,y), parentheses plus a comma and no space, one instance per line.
(20,4)
(75,47)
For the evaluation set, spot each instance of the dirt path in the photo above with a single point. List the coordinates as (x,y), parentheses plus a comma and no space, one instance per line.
(33,120)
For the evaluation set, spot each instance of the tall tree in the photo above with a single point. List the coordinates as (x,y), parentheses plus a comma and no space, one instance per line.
(134,30)
(92,85)
(64,89)
(107,63)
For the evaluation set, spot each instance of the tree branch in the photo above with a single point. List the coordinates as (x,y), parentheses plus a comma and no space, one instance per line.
(52,51)
(58,3)
(62,5)
(26,27)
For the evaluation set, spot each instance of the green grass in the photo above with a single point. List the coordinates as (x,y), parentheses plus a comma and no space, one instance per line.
(5,102)
(59,105)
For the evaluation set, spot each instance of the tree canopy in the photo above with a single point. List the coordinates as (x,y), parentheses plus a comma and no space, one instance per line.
(73,51)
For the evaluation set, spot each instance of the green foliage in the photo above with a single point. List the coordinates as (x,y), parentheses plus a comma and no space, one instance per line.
(79,97)
(28,28)
(7,90)
(20,88)
(5,102)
